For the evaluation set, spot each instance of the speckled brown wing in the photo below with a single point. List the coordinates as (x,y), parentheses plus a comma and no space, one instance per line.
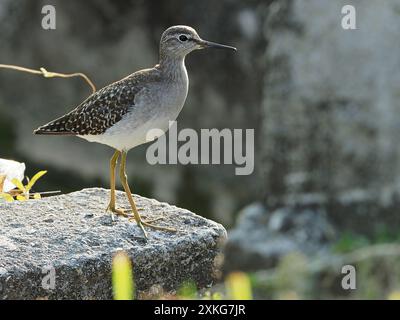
(98,112)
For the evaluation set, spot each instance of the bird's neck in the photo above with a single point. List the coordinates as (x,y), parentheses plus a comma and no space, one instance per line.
(173,67)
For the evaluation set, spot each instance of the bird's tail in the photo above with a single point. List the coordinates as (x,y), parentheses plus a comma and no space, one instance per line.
(55,127)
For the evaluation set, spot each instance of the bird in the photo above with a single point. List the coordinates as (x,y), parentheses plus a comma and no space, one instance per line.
(122,113)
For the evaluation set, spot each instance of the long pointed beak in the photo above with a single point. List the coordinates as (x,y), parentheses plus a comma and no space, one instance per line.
(209,44)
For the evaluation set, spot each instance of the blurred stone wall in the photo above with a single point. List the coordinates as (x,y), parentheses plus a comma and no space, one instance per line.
(108,40)
(330,126)
(331,110)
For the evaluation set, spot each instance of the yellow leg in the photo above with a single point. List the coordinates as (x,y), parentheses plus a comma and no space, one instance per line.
(113,164)
(136,215)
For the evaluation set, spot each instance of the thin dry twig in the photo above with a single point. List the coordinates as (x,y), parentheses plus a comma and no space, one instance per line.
(48,74)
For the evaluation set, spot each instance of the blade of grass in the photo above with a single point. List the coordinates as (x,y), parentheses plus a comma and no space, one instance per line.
(18,184)
(122,278)
(21,198)
(6,197)
(238,286)
(35,178)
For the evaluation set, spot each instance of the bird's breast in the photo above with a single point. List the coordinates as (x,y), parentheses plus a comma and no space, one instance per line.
(168,98)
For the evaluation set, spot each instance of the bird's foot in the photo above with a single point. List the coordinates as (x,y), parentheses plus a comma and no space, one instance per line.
(117,211)
(149,224)
(129,209)
(145,220)
(140,222)
(126,210)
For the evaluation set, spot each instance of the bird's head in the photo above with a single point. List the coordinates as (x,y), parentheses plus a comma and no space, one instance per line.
(178,41)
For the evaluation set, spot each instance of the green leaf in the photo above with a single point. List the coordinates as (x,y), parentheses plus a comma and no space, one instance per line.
(21,197)
(187,290)
(122,278)
(217,296)
(6,197)
(35,178)
(18,184)
(238,286)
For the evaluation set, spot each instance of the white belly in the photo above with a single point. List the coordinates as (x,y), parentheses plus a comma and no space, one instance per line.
(123,136)
(138,125)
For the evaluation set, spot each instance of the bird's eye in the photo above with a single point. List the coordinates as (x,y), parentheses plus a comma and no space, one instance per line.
(183,38)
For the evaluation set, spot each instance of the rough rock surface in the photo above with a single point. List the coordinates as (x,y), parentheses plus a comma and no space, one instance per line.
(261,238)
(73,234)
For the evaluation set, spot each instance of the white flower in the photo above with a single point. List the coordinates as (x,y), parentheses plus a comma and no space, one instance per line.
(11,169)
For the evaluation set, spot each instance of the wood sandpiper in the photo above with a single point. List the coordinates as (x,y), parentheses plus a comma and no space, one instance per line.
(121,114)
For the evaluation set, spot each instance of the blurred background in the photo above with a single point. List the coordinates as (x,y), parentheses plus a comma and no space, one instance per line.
(323,102)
